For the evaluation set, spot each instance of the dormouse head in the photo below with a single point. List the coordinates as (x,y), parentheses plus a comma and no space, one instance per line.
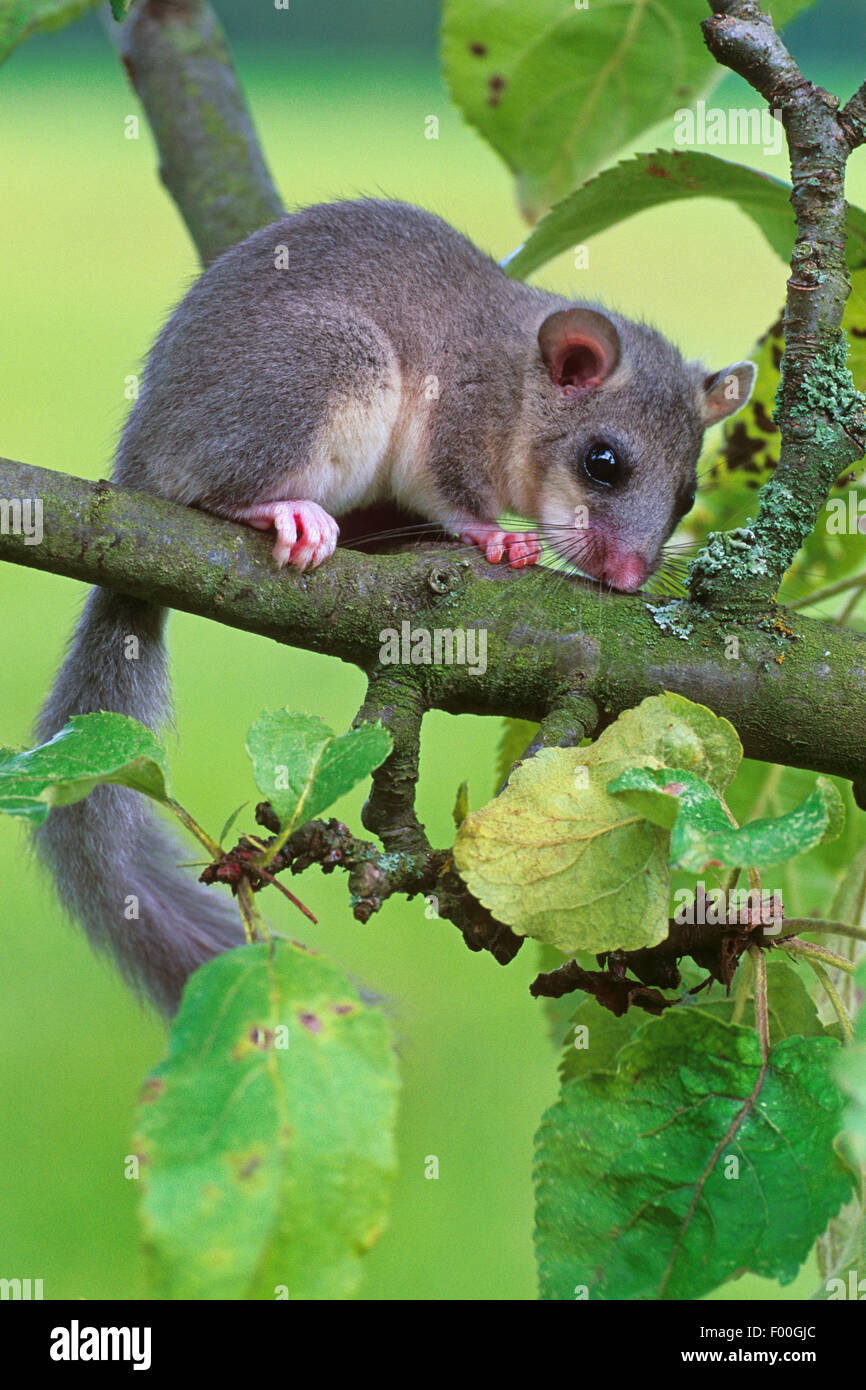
(617,435)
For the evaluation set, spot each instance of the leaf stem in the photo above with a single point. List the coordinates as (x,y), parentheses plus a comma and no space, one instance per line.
(255,926)
(823,924)
(833,995)
(810,951)
(269,878)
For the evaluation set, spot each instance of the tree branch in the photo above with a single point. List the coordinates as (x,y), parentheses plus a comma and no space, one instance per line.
(553,652)
(395,700)
(852,118)
(374,876)
(176,57)
(820,414)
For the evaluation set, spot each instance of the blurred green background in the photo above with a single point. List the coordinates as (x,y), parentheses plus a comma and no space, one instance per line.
(94,257)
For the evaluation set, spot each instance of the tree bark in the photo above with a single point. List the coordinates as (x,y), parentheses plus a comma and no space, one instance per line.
(552,650)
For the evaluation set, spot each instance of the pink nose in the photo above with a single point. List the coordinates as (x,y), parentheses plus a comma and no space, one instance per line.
(625,572)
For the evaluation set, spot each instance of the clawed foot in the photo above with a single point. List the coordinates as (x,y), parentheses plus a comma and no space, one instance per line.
(306,534)
(521,547)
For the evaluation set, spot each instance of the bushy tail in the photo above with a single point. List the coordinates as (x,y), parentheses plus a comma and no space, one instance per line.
(115,868)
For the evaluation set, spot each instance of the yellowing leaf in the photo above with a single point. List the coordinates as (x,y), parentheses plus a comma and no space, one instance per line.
(560,859)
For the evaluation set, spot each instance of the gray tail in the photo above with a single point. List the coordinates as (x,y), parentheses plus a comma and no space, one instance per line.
(114,866)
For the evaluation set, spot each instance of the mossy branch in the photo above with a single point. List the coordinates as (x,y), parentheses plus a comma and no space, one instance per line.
(554,653)
(819,412)
(375,875)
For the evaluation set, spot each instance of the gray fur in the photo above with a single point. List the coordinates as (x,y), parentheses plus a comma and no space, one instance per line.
(248,369)
(107,848)
(245,395)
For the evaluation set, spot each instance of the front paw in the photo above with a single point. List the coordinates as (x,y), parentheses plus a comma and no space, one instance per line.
(306,533)
(522,548)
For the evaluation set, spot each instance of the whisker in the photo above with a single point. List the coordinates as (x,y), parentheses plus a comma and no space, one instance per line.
(397,532)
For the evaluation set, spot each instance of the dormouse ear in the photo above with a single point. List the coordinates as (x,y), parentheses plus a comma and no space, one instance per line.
(727,391)
(580,348)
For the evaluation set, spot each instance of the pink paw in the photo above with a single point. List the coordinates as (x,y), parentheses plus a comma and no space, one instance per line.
(521,547)
(306,534)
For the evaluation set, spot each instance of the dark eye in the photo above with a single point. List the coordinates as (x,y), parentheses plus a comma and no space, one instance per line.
(601,464)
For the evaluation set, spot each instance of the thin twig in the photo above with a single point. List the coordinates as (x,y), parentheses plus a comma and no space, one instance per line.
(820,414)
(811,951)
(823,925)
(193,827)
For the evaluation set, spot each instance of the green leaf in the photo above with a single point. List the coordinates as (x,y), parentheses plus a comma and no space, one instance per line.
(119,9)
(851,1075)
(265,1137)
(302,766)
(516,736)
(230,822)
(565,863)
(701,833)
(461,804)
(791,1009)
(594,1037)
(21,18)
(558,858)
(636,1194)
(649,180)
(90,750)
(558,90)
(809,883)
(666,796)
